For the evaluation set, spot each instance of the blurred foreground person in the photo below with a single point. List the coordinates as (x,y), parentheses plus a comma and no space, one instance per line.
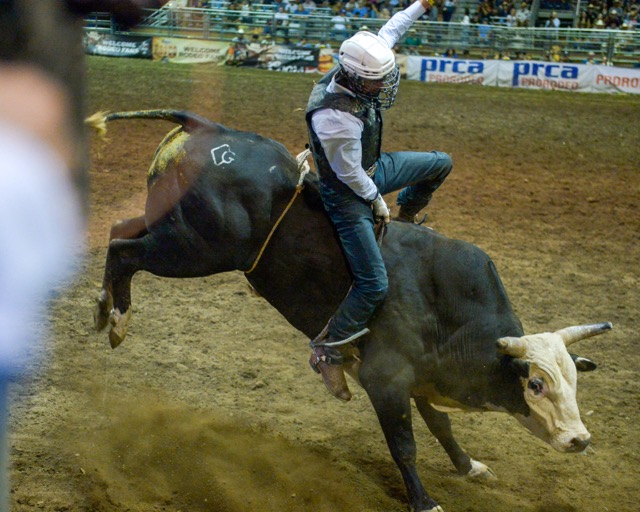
(43,171)
(40,219)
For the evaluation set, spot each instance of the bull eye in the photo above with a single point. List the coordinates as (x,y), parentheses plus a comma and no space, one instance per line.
(536,385)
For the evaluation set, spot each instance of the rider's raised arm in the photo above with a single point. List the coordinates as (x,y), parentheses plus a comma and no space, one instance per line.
(400,22)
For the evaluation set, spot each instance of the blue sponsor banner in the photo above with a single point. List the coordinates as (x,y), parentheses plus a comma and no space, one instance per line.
(541,75)
(437,69)
(525,74)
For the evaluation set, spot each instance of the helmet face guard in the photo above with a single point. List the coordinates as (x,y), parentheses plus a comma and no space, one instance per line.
(370,69)
(378,94)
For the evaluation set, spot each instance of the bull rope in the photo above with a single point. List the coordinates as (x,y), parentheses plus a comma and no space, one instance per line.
(303,169)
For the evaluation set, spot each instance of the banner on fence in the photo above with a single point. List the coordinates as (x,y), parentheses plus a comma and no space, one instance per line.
(188,51)
(97,43)
(436,69)
(287,58)
(610,79)
(525,74)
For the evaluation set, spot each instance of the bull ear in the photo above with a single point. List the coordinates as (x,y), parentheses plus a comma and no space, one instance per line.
(583,364)
(579,332)
(516,347)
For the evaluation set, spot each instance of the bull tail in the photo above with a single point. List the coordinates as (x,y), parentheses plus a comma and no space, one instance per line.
(187,120)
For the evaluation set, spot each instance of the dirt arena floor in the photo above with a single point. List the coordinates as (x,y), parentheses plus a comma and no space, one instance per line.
(210,405)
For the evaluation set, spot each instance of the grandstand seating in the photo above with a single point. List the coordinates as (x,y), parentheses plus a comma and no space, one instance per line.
(425,38)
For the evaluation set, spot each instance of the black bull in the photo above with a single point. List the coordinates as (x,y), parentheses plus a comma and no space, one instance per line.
(214,196)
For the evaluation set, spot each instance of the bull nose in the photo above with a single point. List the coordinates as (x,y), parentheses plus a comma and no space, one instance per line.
(579,445)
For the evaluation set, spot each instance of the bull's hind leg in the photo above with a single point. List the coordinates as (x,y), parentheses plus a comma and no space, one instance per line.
(169,251)
(123,229)
(124,259)
(440,426)
(129,229)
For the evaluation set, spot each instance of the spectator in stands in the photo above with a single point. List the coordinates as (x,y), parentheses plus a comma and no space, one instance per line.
(232,16)
(297,23)
(301,10)
(511,20)
(286,4)
(615,12)
(553,21)
(584,21)
(412,43)
(632,19)
(591,15)
(339,24)
(465,22)
(466,18)
(523,15)
(591,59)
(484,33)
(553,55)
(485,10)
(361,9)
(267,42)
(349,6)
(450,53)
(303,43)
(448,10)
(245,16)
(433,13)
(374,11)
(507,5)
(310,5)
(625,40)
(281,22)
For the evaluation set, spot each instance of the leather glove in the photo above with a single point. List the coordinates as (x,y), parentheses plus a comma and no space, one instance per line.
(380,209)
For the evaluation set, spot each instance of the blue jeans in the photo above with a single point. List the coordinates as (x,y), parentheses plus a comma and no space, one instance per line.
(421,174)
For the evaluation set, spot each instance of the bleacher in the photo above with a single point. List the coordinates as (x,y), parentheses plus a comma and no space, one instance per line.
(424,38)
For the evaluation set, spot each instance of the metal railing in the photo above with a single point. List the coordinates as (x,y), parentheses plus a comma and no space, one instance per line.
(617,47)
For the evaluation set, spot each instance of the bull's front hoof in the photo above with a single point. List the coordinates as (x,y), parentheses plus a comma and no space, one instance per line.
(479,471)
(102,310)
(429,506)
(119,325)
(437,508)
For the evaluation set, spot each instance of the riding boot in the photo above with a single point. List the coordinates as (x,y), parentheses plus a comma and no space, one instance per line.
(327,361)
(409,213)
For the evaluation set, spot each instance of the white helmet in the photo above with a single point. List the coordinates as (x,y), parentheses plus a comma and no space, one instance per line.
(366,58)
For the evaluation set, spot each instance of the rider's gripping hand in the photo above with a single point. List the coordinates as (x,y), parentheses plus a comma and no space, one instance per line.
(380,209)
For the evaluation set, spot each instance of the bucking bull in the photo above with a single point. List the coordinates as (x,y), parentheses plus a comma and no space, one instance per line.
(446,336)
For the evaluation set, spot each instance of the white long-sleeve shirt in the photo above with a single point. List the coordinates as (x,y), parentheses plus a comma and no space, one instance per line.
(340,132)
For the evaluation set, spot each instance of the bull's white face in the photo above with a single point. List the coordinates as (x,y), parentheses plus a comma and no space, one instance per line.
(550,392)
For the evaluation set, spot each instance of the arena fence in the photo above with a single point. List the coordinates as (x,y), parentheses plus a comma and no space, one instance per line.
(609,47)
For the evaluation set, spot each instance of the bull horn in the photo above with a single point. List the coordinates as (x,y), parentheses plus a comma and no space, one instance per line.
(579,332)
(516,347)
